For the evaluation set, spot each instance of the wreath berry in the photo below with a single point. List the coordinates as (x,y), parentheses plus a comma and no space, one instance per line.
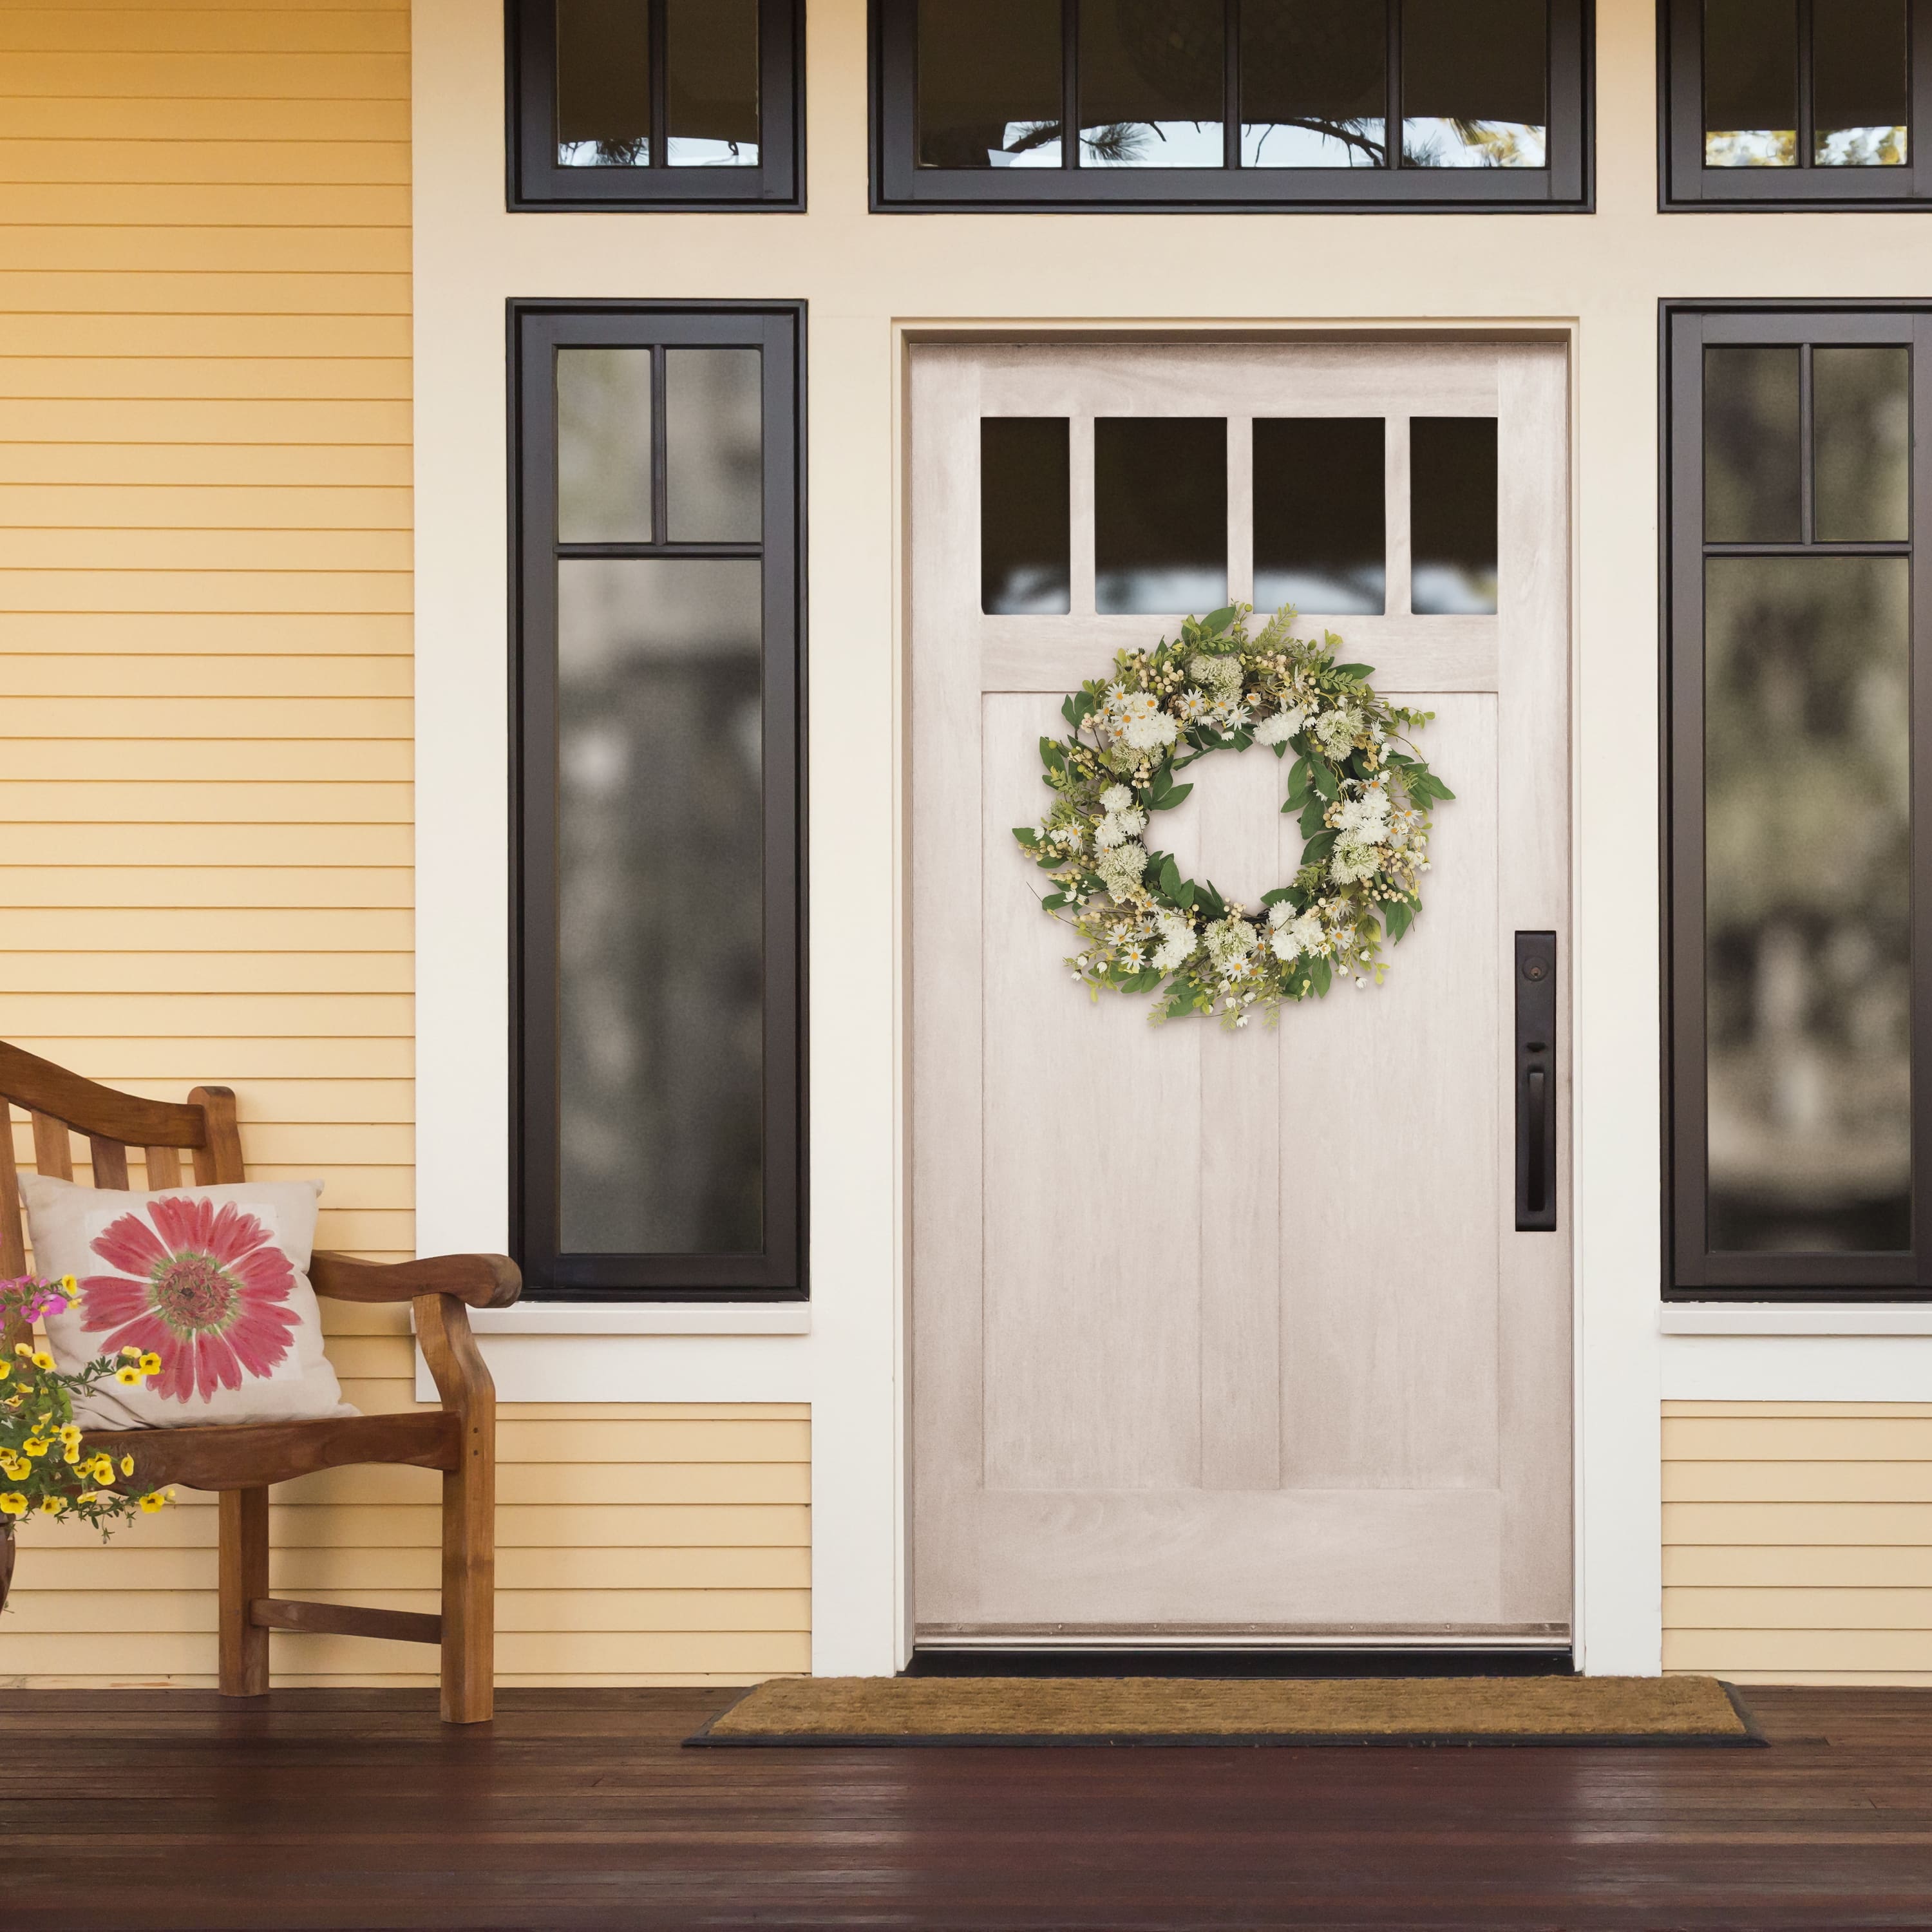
(1362,791)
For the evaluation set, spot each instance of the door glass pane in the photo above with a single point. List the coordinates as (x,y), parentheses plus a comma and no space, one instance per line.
(1860,91)
(714,445)
(1160,514)
(1452,516)
(1808,787)
(660,912)
(1750,83)
(1314,83)
(991,92)
(603,84)
(711,83)
(1475,83)
(1026,541)
(1862,444)
(603,445)
(1752,469)
(1320,515)
(1152,82)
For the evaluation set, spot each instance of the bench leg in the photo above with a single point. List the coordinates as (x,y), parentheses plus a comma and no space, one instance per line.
(470,1578)
(244,1577)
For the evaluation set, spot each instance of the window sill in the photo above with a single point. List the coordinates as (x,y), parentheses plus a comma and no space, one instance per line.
(1712,1318)
(645,1318)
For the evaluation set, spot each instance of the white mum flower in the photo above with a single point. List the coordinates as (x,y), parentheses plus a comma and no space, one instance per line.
(1337,729)
(1107,834)
(1177,943)
(1282,727)
(1116,798)
(1132,823)
(1366,820)
(1151,733)
(1299,933)
(1120,869)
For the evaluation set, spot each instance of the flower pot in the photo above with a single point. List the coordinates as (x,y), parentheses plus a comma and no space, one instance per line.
(6,1560)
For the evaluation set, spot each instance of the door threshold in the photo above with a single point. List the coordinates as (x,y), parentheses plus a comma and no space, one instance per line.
(1318,1660)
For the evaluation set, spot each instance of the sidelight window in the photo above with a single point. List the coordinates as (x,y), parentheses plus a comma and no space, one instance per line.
(1141,103)
(655,104)
(1798,909)
(659,1144)
(1778,103)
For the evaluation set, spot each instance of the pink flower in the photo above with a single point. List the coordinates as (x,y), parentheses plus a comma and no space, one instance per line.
(205,1288)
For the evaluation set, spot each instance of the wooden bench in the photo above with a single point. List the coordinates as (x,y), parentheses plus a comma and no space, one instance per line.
(240,1462)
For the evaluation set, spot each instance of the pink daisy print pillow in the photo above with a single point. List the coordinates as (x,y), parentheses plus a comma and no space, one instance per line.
(213,1280)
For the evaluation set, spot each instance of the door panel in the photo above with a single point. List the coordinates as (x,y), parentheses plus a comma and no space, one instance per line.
(1225,1334)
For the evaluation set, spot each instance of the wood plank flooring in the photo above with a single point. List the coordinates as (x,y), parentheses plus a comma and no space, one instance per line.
(577,1809)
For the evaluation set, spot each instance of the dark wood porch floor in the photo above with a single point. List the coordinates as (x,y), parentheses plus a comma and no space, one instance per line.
(577,1809)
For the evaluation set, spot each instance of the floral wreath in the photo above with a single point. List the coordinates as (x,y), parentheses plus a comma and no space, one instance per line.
(1360,788)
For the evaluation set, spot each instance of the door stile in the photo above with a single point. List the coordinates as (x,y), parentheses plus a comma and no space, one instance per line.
(948,1151)
(1534,1306)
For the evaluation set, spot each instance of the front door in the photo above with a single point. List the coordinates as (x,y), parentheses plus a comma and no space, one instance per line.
(1220,1335)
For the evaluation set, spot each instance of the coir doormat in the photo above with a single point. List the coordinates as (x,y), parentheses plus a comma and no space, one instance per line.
(845,1711)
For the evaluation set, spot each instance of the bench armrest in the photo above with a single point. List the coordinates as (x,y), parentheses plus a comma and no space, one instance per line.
(483,1281)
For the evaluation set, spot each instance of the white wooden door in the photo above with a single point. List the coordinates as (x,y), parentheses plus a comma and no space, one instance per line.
(1233,1336)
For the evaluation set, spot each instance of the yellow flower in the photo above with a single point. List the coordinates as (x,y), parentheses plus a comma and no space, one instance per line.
(6,1370)
(127,1466)
(102,1468)
(42,1359)
(69,1433)
(150,1504)
(71,1453)
(34,1446)
(13,1503)
(151,1364)
(130,1377)
(87,1496)
(132,1354)
(53,1506)
(23,1348)
(69,1286)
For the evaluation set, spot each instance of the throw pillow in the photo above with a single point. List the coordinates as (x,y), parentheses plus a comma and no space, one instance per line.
(214,1280)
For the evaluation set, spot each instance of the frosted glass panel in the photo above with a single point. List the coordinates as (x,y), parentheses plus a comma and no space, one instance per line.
(660,851)
(1861,443)
(1807,778)
(603,445)
(714,444)
(1752,469)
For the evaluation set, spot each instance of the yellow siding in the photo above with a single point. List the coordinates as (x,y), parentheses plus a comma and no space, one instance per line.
(206,820)
(1798,1541)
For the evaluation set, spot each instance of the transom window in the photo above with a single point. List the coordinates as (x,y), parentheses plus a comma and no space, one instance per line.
(1154,103)
(1319,533)
(655,103)
(1799,703)
(1790,102)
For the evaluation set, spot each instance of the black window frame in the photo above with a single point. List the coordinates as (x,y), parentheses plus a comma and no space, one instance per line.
(899,186)
(536,182)
(1689,1273)
(1685,185)
(536,331)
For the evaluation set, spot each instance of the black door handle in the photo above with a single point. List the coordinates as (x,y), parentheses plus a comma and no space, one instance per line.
(1535,1078)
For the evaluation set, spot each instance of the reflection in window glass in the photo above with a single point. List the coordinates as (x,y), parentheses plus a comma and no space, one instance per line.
(1152,83)
(660,1026)
(1808,776)
(1860,91)
(714,444)
(990,84)
(1752,471)
(1160,514)
(603,84)
(603,445)
(1475,83)
(1750,83)
(1321,518)
(1452,516)
(1026,538)
(711,83)
(1862,444)
(1314,84)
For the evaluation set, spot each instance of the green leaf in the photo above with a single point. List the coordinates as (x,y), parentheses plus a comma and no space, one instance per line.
(1216,621)
(1184,898)
(1319,847)
(1311,818)
(1052,756)
(1321,977)
(1212,903)
(1026,835)
(1355,670)
(1170,798)
(1326,782)
(1053,902)
(1398,918)
(1170,876)
(1299,778)
(1277,896)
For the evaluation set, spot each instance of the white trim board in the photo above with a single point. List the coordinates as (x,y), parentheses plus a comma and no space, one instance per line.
(1797,1368)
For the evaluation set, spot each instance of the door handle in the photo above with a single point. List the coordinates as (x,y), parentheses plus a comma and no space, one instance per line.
(1535,1082)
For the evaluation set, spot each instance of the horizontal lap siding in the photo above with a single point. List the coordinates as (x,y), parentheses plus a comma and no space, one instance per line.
(206,822)
(1798,1541)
